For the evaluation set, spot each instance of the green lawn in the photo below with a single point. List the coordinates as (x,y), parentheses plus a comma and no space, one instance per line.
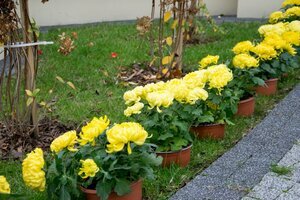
(98,94)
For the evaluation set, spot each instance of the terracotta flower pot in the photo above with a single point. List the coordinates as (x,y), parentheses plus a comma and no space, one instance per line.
(181,157)
(246,107)
(268,89)
(135,194)
(213,131)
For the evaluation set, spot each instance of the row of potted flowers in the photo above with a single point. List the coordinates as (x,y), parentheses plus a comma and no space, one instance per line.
(110,160)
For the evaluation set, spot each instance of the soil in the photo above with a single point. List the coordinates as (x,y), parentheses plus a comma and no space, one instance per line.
(15,143)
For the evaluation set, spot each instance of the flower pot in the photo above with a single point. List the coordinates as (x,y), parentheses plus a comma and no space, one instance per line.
(213,131)
(269,88)
(246,107)
(135,194)
(181,157)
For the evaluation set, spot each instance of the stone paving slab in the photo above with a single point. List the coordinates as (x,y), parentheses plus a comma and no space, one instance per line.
(280,187)
(235,173)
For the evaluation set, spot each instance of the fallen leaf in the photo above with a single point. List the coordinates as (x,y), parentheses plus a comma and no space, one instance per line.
(71,85)
(60,79)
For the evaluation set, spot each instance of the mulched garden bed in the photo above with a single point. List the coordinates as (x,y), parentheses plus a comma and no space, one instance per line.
(14,143)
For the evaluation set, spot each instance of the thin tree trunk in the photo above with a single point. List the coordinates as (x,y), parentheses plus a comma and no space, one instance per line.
(29,68)
(152,30)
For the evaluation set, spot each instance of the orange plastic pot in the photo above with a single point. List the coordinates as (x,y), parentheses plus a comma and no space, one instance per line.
(213,131)
(135,194)
(246,107)
(181,157)
(269,88)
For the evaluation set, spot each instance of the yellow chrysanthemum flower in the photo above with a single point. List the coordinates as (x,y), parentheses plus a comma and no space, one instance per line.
(275,17)
(160,98)
(264,51)
(290,49)
(153,87)
(292,12)
(292,37)
(208,60)
(4,186)
(93,129)
(274,40)
(245,61)
(131,96)
(67,140)
(196,94)
(242,47)
(219,76)
(32,170)
(135,109)
(178,88)
(196,79)
(278,28)
(290,2)
(294,26)
(88,168)
(124,133)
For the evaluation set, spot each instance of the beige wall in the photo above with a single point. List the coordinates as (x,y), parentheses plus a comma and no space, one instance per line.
(257,8)
(61,12)
(226,7)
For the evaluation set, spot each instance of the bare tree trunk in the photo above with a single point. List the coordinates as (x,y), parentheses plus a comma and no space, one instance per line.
(151,30)
(30,64)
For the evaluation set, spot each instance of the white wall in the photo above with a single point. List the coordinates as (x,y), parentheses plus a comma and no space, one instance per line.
(226,7)
(257,8)
(61,12)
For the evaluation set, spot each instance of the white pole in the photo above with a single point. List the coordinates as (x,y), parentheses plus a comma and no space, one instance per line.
(27,44)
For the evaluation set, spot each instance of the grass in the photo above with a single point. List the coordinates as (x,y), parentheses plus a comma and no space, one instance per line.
(98,92)
(280,170)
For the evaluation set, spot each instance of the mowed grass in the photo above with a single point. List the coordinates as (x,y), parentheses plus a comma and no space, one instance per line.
(98,92)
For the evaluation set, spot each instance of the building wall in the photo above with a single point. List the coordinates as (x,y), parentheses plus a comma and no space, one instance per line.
(257,8)
(61,12)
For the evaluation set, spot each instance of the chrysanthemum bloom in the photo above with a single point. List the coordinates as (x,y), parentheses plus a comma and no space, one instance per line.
(160,98)
(67,140)
(275,17)
(93,129)
(290,2)
(294,26)
(292,12)
(4,186)
(278,28)
(153,87)
(88,168)
(219,76)
(196,94)
(243,61)
(131,96)
(292,37)
(242,47)
(274,40)
(135,109)
(124,133)
(196,79)
(264,51)
(32,170)
(178,88)
(208,60)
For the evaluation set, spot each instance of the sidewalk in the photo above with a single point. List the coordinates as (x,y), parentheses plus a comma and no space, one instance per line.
(239,170)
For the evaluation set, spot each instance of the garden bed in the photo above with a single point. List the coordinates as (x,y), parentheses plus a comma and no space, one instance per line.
(93,71)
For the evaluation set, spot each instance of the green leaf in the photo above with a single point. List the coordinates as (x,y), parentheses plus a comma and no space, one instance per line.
(29,101)
(104,189)
(35,92)
(29,93)
(64,194)
(180,142)
(122,187)
(153,159)
(165,136)
(258,81)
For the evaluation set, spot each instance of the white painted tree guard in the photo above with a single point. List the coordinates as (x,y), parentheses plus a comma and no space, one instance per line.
(21,44)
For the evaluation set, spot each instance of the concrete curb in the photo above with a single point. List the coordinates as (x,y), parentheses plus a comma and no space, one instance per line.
(241,168)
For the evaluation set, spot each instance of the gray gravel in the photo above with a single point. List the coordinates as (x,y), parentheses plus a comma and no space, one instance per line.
(234,174)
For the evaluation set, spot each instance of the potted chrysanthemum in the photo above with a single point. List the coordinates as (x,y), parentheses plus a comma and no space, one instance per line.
(157,107)
(276,54)
(101,162)
(246,77)
(208,118)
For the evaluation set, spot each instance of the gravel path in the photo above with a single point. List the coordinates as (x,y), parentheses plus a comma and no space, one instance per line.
(234,174)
